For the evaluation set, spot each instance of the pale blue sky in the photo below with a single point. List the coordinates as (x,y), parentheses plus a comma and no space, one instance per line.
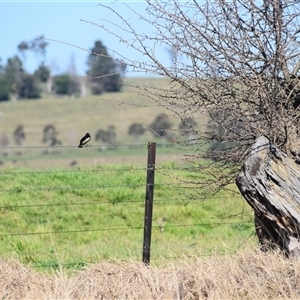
(22,20)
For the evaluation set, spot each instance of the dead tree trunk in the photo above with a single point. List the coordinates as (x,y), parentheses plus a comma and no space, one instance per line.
(270,183)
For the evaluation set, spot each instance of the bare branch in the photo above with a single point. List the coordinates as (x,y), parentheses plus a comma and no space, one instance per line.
(238,71)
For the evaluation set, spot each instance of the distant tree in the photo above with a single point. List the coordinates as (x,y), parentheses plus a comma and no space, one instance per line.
(37,45)
(21,84)
(4,88)
(72,67)
(50,136)
(106,136)
(102,136)
(1,66)
(28,87)
(187,129)
(220,124)
(136,130)
(19,135)
(217,127)
(4,85)
(187,124)
(111,130)
(65,85)
(104,73)
(5,142)
(174,55)
(160,125)
(42,73)
(14,73)
(76,86)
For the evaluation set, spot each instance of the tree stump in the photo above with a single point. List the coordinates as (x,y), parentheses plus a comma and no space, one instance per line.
(269,180)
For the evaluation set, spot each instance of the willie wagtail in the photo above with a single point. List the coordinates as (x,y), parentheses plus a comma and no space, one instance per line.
(84,140)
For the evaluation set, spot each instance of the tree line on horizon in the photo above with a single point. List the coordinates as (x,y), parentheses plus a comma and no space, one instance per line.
(104,73)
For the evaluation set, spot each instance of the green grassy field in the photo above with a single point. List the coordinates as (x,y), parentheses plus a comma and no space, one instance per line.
(68,218)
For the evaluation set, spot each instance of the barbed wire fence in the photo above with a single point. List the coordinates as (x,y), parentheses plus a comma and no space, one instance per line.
(148,200)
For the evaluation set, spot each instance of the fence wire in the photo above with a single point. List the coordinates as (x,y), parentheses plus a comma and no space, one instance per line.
(166,171)
(141,201)
(20,189)
(121,228)
(99,170)
(133,145)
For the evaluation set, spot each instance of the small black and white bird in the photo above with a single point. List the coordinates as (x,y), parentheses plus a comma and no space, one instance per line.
(84,140)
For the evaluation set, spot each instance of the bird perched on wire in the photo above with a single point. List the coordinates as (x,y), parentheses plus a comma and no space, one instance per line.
(84,140)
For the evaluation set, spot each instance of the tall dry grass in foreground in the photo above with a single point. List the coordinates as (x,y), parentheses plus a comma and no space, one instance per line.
(247,275)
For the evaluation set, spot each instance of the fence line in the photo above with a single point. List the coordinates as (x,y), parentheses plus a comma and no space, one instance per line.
(122,228)
(107,202)
(72,146)
(138,145)
(20,189)
(182,184)
(71,171)
(133,145)
(191,168)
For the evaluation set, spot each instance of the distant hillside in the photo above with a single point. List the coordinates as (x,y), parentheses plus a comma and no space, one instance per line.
(73,117)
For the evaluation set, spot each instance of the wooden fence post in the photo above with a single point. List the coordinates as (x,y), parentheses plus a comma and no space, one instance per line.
(149,203)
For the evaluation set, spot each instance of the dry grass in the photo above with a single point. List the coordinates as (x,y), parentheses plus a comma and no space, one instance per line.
(247,275)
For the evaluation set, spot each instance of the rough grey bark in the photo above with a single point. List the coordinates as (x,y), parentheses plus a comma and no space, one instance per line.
(269,180)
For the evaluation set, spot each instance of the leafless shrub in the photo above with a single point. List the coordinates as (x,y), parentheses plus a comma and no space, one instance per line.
(19,135)
(160,126)
(50,135)
(107,137)
(136,130)
(237,57)
(5,143)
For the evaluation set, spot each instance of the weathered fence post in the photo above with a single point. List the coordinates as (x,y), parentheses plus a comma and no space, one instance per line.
(149,202)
